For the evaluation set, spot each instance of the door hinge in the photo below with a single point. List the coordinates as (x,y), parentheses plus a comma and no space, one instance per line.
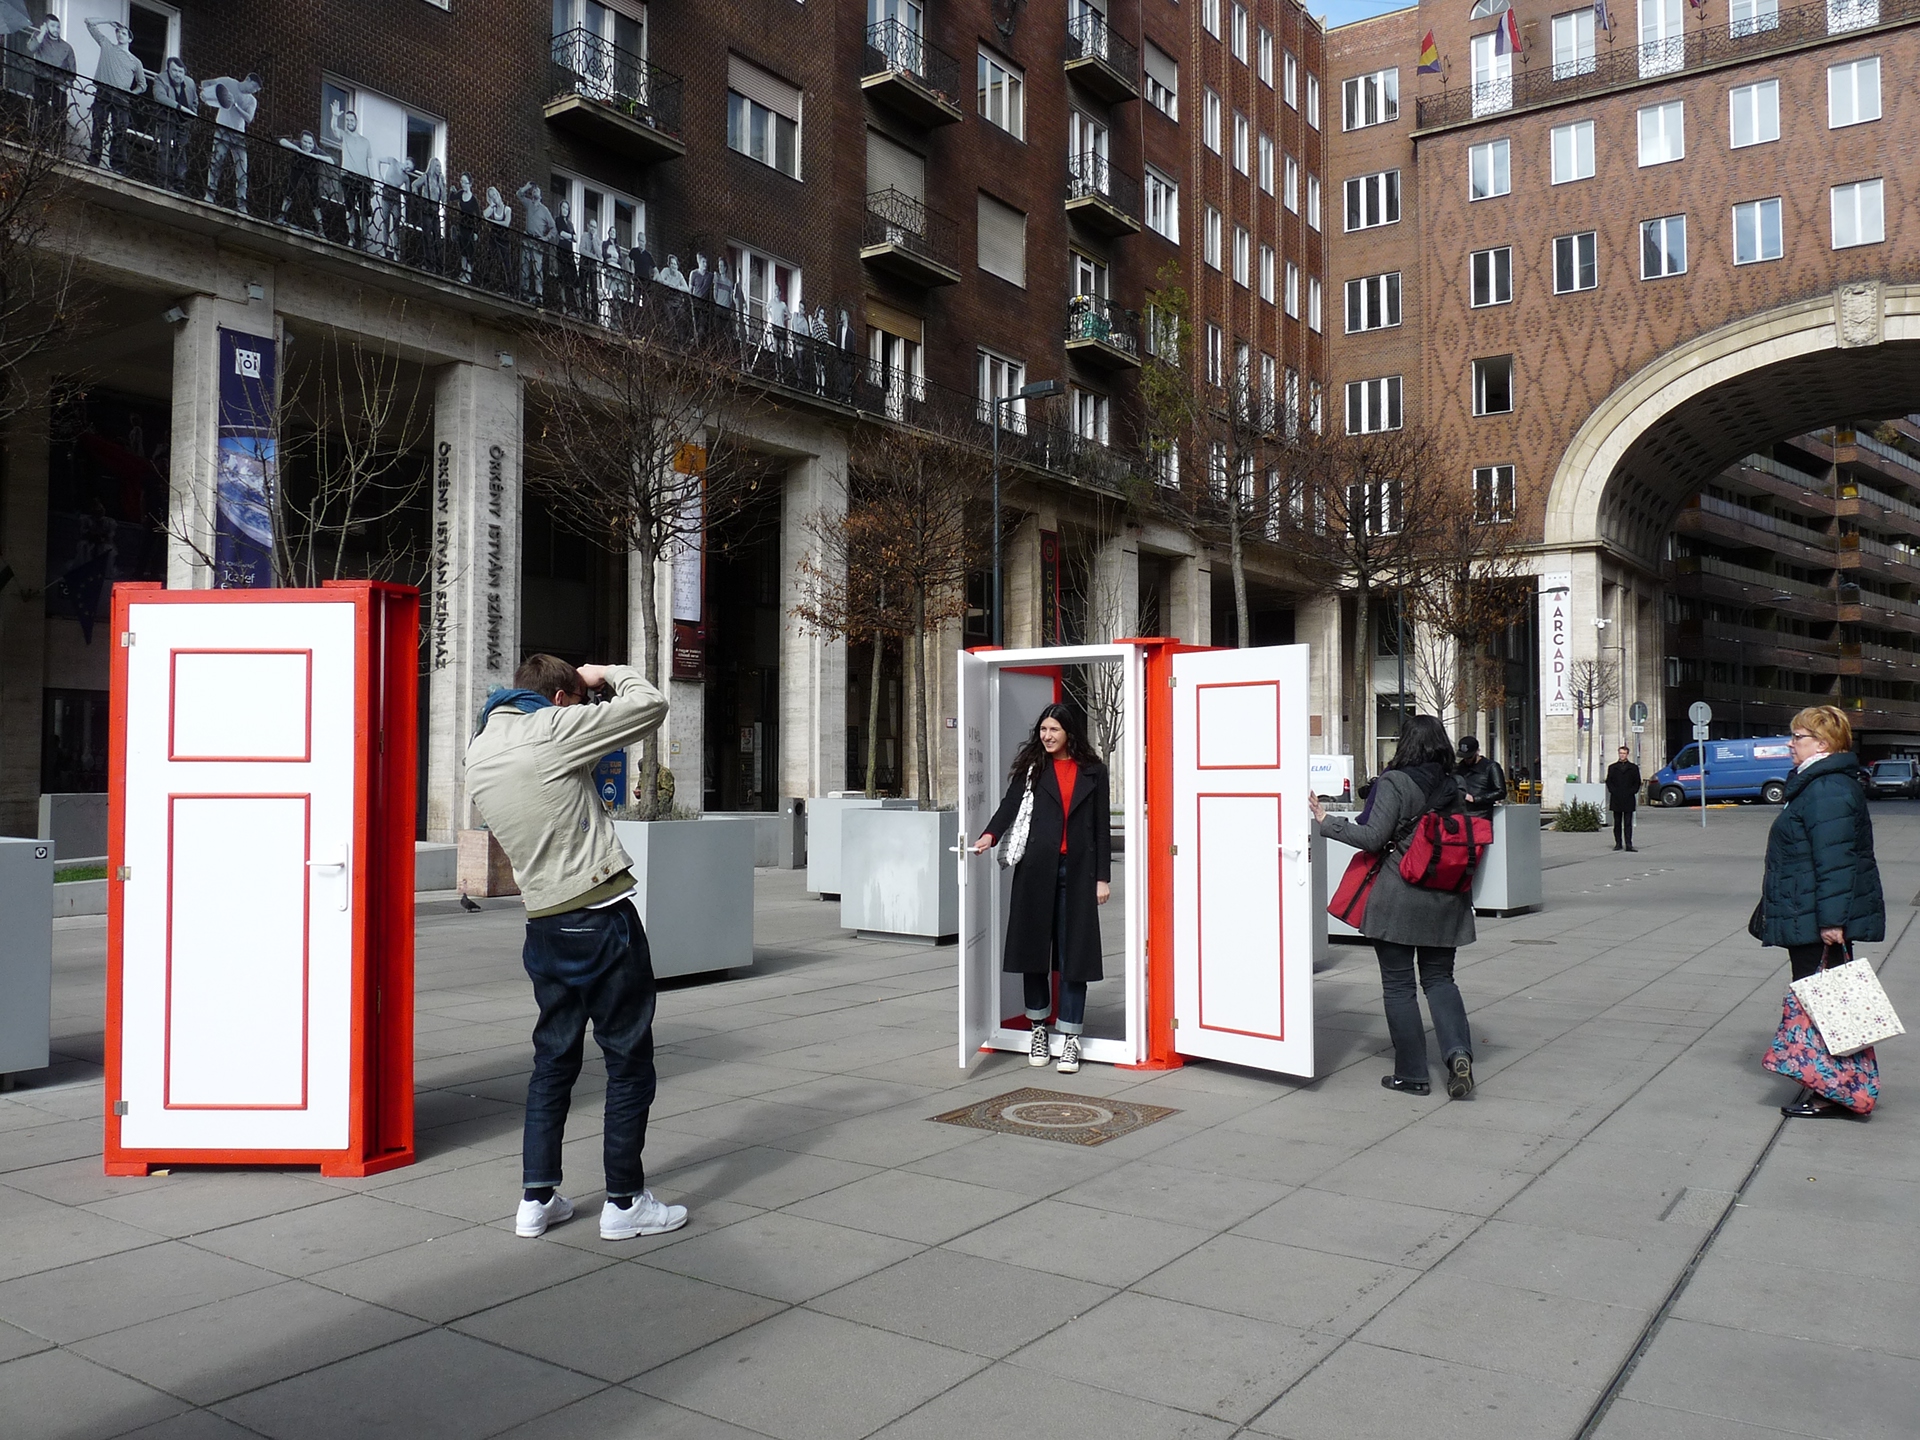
(1172,681)
(125,872)
(1176,849)
(126,639)
(1176,1022)
(119,1107)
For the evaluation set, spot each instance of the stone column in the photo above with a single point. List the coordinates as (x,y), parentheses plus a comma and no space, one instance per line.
(1191,605)
(1020,580)
(23,623)
(195,439)
(1316,624)
(473,610)
(1116,589)
(813,668)
(1561,746)
(683,732)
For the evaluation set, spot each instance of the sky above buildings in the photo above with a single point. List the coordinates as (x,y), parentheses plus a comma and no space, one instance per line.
(1345,12)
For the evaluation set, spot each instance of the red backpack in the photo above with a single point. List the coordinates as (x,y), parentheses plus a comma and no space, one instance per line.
(1445,849)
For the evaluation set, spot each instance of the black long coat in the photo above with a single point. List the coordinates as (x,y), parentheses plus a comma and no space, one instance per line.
(1089,831)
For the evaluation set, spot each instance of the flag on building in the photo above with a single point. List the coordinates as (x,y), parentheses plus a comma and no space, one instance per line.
(1506,40)
(1429,56)
(1698,4)
(1602,17)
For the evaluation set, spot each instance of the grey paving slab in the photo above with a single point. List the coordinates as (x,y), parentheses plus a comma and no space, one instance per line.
(192,1425)
(1601,1268)
(191,1202)
(94,1296)
(1411,1236)
(807,1376)
(435,1386)
(41,1235)
(619,1321)
(1878,1313)
(15,1342)
(479,1193)
(1636,1420)
(1101,1246)
(1010,1399)
(1015,1162)
(782,1256)
(1282,1284)
(1174,1193)
(1460,1185)
(459,1274)
(213,1351)
(762,1176)
(57,1395)
(621,1414)
(30,1146)
(319,1237)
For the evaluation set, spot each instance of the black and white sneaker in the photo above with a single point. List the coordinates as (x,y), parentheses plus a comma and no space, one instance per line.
(1069,1055)
(1037,1047)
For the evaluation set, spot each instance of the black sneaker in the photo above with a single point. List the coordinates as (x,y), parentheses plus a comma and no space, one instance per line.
(1460,1076)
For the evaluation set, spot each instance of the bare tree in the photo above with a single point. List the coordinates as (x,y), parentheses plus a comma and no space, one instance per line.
(41,305)
(629,447)
(1465,598)
(1595,685)
(1096,594)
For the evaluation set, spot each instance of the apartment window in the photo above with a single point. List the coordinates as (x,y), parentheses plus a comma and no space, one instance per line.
(1663,247)
(763,117)
(1001,241)
(1374,509)
(1243,370)
(1090,415)
(1373,405)
(1367,99)
(897,364)
(1210,122)
(1573,44)
(1290,196)
(1313,303)
(1210,240)
(1163,80)
(1857,216)
(1163,336)
(1266,56)
(386,126)
(1493,385)
(1853,92)
(1210,17)
(1290,77)
(597,214)
(1313,201)
(771,286)
(1213,354)
(1492,75)
(1373,302)
(1163,205)
(1750,17)
(1756,232)
(1266,273)
(1575,262)
(1002,94)
(1373,200)
(1089,276)
(1290,403)
(1242,144)
(1292,294)
(1489,169)
(1269,390)
(1573,152)
(1240,33)
(1492,494)
(1756,112)
(1663,133)
(1266,163)
(1242,256)
(999,378)
(1313,102)
(1491,273)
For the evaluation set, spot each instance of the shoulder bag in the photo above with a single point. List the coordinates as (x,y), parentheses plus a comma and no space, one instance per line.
(1015,845)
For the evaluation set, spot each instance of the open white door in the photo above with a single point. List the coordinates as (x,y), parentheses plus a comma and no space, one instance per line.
(238,951)
(979,977)
(1242,872)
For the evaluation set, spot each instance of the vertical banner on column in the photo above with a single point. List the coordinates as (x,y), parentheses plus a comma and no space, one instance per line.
(689,569)
(249,466)
(1556,638)
(1050,588)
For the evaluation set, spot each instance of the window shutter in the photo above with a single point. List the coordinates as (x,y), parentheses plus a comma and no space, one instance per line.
(1162,67)
(1002,241)
(763,89)
(893,166)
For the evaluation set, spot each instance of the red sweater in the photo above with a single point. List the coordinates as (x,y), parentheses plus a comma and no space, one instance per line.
(1065,774)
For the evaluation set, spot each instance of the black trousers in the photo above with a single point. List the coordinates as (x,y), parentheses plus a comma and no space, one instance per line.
(1804,960)
(1622,824)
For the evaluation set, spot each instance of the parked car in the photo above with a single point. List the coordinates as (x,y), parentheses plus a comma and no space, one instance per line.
(1754,769)
(1890,778)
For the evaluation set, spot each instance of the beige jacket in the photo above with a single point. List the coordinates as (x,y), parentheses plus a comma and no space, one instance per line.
(531,777)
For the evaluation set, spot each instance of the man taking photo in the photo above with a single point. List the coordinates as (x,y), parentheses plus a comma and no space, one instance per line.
(530,773)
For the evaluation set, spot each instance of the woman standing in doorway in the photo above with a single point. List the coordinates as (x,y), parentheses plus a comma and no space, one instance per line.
(1060,878)
(1410,926)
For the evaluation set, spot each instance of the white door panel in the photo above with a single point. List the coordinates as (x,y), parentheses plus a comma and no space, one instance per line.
(979,987)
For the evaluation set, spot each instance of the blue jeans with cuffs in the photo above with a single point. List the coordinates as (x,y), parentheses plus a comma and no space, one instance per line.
(1039,988)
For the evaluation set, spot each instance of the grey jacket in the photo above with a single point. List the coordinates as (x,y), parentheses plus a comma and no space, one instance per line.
(1396,911)
(531,776)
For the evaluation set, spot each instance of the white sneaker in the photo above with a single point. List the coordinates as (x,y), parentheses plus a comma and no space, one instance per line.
(1037,1044)
(1069,1056)
(534,1216)
(646,1216)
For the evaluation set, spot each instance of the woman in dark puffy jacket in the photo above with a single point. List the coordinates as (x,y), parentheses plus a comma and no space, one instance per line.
(1411,926)
(1822,885)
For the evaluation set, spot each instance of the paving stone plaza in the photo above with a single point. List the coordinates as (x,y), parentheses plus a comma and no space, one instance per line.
(1618,1236)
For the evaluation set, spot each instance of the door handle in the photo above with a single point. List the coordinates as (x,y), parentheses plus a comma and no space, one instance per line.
(344,866)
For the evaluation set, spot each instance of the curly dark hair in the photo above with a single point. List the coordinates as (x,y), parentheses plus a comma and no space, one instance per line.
(1423,741)
(1033,752)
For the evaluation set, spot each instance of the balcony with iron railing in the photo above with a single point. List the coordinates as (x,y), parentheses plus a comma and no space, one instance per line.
(910,74)
(1102,196)
(614,97)
(901,235)
(1626,64)
(1106,63)
(1102,333)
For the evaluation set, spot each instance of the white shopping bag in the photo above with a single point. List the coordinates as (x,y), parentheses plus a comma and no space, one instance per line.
(1849,1006)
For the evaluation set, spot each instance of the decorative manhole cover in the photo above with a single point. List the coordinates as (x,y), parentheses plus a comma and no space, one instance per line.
(1050,1115)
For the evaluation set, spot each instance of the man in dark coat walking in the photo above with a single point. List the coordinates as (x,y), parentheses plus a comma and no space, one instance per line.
(1482,782)
(1623,794)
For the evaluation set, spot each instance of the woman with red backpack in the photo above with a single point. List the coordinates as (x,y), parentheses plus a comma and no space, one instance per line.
(1413,927)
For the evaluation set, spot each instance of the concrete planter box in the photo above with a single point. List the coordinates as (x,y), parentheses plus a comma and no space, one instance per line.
(1508,880)
(779,836)
(695,897)
(75,823)
(825,816)
(899,875)
(26,956)
(435,866)
(1595,795)
(80,897)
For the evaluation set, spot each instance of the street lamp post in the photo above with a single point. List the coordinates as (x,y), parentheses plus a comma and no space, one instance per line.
(1039,389)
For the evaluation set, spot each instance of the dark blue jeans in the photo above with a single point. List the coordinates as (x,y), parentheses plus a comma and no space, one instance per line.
(590,965)
(1039,988)
(1450,1030)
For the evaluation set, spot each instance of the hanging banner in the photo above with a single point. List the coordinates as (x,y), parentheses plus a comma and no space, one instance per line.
(1050,588)
(689,656)
(249,464)
(1556,643)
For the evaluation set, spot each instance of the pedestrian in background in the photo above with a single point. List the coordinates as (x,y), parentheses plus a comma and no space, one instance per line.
(1060,879)
(1482,781)
(1413,927)
(1623,795)
(1821,890)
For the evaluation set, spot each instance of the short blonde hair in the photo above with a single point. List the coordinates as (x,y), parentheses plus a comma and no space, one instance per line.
(1828,724)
